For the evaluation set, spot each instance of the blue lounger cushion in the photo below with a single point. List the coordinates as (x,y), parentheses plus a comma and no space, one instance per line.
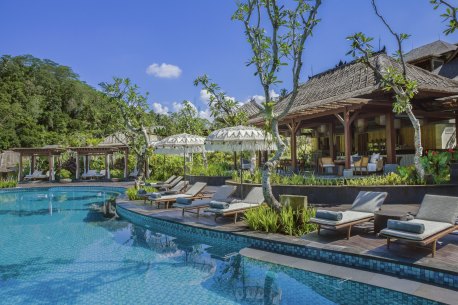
(331,215)
(406,226)
(141,192)
(155,195)
(182,200)
(219,204)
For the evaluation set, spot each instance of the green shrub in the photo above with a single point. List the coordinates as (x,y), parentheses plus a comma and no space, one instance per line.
(437,164)
(116,173)
(8,183)
(288,221)
(65,174)
(132,192)
(406,176)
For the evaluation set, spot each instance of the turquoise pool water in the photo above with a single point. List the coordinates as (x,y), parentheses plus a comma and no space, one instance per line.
(57,248)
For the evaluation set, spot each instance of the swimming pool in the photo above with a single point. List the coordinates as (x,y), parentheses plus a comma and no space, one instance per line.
(56,247)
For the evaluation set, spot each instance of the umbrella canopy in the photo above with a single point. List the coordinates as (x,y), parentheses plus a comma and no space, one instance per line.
(239,138)
(180,144)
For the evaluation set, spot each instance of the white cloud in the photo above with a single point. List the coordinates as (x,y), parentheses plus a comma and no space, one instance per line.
(159,108)
(163,70)
(205,96)
(205,114)
(261,98)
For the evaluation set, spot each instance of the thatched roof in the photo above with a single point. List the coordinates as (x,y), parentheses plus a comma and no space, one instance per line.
(345,84)
(449,69)
(251,108)
(436,48)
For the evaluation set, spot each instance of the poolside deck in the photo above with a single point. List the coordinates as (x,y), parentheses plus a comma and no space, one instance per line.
(363,241)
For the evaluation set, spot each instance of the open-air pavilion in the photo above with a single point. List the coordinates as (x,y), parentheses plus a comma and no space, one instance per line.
(51,152)
(111,145)
(349,113)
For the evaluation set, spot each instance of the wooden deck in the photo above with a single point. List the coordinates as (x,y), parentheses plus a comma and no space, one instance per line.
(363,241)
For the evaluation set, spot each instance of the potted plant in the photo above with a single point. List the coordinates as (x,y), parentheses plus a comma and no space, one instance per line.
(116,175)
(65,176)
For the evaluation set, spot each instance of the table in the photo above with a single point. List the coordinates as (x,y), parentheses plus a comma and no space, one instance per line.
(340,167)
(381,219)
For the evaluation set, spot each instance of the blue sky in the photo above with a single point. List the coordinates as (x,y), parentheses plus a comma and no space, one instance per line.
(100,39)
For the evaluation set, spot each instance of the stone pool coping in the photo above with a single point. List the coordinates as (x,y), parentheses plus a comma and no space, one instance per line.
(305,249)
(418,289)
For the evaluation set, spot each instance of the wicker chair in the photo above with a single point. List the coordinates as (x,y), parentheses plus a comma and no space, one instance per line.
(361,164)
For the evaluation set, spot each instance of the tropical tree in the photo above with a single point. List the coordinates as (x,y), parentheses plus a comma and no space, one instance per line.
(282,44)
(187,120)
(449,14)
(223,109)
(136,120)
(393,79)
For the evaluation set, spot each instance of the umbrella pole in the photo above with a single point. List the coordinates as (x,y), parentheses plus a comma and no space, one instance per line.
(184,164)
(241,176)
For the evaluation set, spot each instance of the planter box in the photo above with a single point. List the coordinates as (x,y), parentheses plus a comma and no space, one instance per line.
(65,180)
(210,180)
(115,179)
(397,194)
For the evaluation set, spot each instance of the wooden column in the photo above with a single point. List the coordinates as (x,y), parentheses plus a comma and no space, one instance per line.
(331,141)
(126,161)
(107,167)
(19,169)
(86,163)
(33,163)
(347,138)
(77,174)
(293,126)
(390,138)
(51,167)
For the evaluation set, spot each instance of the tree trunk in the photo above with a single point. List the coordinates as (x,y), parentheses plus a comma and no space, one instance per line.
(417,142)
(270,166)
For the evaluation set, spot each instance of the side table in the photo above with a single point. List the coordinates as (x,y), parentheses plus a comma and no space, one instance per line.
(381,219)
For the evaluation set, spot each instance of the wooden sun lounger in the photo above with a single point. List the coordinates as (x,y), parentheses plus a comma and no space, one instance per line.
(253,199)
(222,194)
(438,214)
(347,225)
(364,203)
(430,240)
(194,192)
(236,212)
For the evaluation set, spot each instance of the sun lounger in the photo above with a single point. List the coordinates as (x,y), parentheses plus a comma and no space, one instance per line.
(89,174)
(362,210)
(435,219)
(194,192)
(134,174)
(43,176)
(167,186)
(34,175)
(101,174)
(182,185)
(160,183)
(254,199)
(222,195)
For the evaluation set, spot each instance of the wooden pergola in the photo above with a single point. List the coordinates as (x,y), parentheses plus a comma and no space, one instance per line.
(51,152)
(106,150)
(346,94)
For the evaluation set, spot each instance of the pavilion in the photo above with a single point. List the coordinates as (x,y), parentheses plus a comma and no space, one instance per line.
(349,112)
(110,145)
(50,151)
